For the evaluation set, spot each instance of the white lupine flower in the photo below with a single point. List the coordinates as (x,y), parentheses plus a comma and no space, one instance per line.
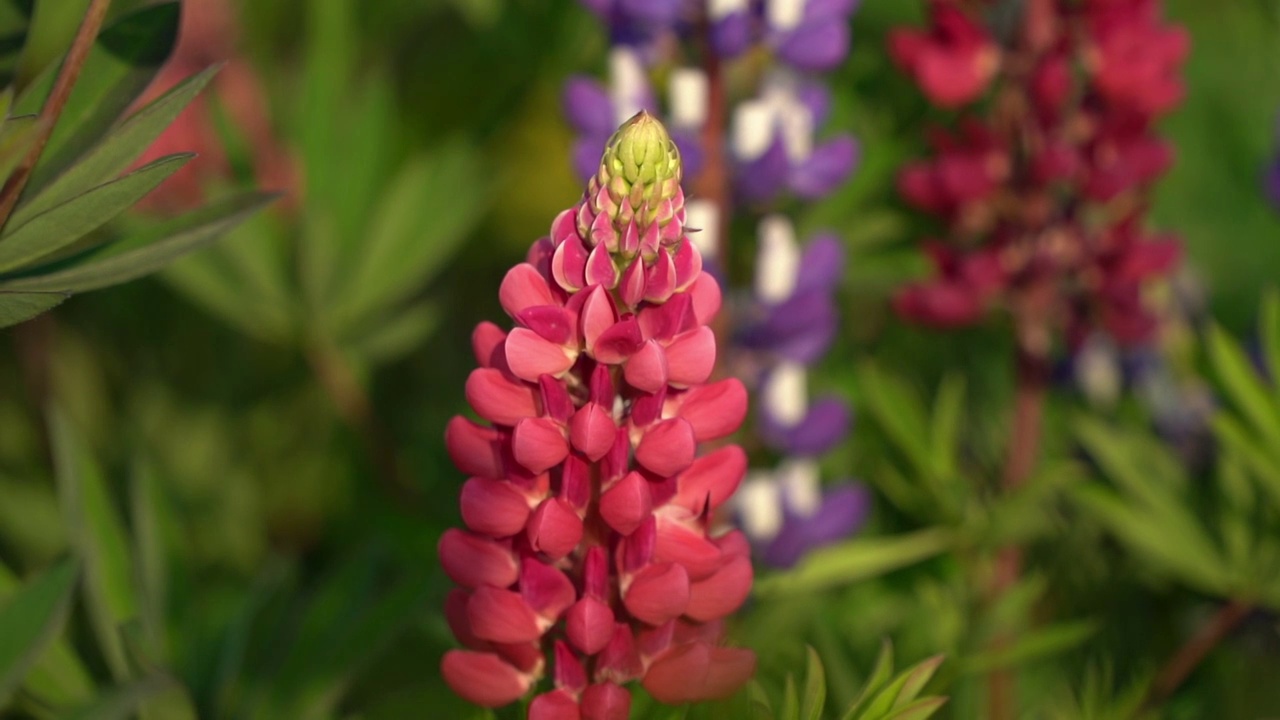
(629,85)
(784,14)
(760,506)
(688,91)
(704,216)
(801,486)
(777,260)
(720,9)
(786,393)
(753,128)
(1097,371)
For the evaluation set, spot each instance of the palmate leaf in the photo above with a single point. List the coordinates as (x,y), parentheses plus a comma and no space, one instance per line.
(64,224)
(30,621)
(149,251)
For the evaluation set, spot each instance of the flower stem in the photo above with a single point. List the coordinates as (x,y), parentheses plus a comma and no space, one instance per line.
(1024,448)
(1179,667)
(53,105)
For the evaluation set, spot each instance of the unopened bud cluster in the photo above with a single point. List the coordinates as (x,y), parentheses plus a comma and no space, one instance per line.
(588,560)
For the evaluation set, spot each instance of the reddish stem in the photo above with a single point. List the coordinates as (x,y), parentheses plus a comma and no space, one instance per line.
(1194,651)
(712,184)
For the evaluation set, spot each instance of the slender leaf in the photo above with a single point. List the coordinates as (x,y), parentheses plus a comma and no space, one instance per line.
(59,677)
(916,678)
(1243,386)
(790,701)
(157,248)
(919,710)
(815,688)
(948,412)
(855,560)
(98,537)
(30,621)
(59,227)
(120,66)
(16,307)
(123,702)
(1034,645)
(117,150)
(880,674)
(1270,332)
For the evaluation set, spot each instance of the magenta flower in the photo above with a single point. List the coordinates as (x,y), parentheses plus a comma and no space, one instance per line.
(589,557)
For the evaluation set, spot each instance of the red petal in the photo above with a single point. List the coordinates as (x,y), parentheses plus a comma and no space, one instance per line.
(658,593)
(598,315)
(530,355)
(691,357)
(547,590)
(569,673)
(600,268)
(589,625)
(552,322)
(483,678)
(646,370)
(668,447)
(554,705)
(486,343)
(686,547)
(625,505)
(592,431)
(616,344)
(722,593)
(524,287)
(665,321)
(455,613)
(502,616)
(475,450)
(680,675)
(705,292)
(555,529)
(473,561)
(688,263)
(539,444)
(631,287)
(556,402)
(660,280)
(715,411)
(714,476)
(564,226)
(569,264)
(619,661)
(498,398)
(493,507)
(606,701)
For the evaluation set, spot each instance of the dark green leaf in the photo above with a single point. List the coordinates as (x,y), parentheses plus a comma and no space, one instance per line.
(16,307)
(59,227)
(153,250)
(15,17)
(116,151)
(123,702)
(120,66)
(30,621)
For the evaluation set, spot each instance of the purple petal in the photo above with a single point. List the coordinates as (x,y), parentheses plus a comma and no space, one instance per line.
(763,178)
(800,328)
(691,155)
(587,106)
(817,45)
(830,9)
(815,97)
(826,169)
(731,35)
(586,155)
(657,12)
(822,264)
(844,509)
(822,428)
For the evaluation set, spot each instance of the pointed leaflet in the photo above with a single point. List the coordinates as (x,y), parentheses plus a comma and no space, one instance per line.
(121,64)
(98,538)
(1244,387)
(58,677)
(855,560)
(30,621)
(16,307)
(151,250)
(123,702)
(815,688)
(880,674)
(116,151)
(59,227)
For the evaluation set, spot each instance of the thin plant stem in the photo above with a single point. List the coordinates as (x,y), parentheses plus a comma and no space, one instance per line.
(712,184)
(54,104)
(1188,657)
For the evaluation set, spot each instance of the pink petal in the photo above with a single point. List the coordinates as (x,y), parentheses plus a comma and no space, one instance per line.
(592,431)
(730,669)
(569,264)
(667,447)
(552,322)
(569,673)
(660,280)
(597,316)
(475,450)
(595,573)
(691,357)
(647,369)
(539,444)
(564,226)
(647,409)
(665,321)
(705,292)
(636,550)
(686,547)
(524,287)
(498,398)
(547,590)
(616,344)
(603,233)
(555,529)
(455,613)
(473,561)
(650,240)
(600,269)
(554,705)
(602,392)
(722,593)
(556,403)
(632,285)
(530,355)
(606,701)
(680,675)
(589,625)
(539,256)
(625,505)
(486,343)
(616,462)
(716,410)
(630,236)
(502,616)
(483,678)
(525,657)
(576,482)
(714,477)
(688,265)
(493,507)
(619,662)
(657,593)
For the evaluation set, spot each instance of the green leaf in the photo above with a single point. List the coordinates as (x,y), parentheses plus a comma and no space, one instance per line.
(59,227)
(120,66)
(919,710)
(146,511)
(169,703)
(855,560)
(948,412)
(901,413)
(916,678)
(399,334)
(1270,331)
(790,701)
(99,539)
(1249,451)
(880,674)
(1033,645)
(152,250)
(30,621)
(15,17)
(116,151)
(59,677)
(815,688)
(16,307)
(1242,384)
(123,702)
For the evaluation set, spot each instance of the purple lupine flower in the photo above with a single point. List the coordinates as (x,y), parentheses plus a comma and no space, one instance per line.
(1273,182)
(786,513)
(809,35)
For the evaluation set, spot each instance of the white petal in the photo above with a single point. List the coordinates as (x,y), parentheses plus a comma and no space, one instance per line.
(801,488)
(786,393)
(629,85)
(784,14)
(753,127)
(759,505)
(688,98)
(777,260)
(719,9)
(703,216)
